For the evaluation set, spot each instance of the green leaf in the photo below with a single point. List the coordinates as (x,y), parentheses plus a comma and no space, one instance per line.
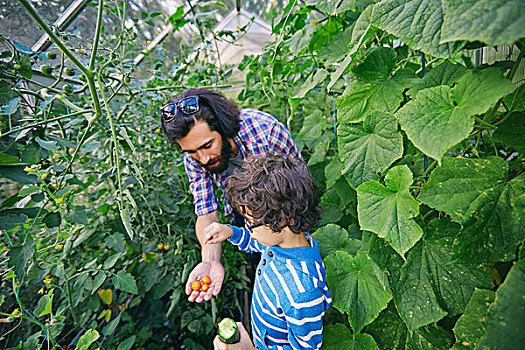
(100,277)
(47,145)
(44,305)
(125,282)
(441,117)
(417,23)
(372,86)
(17,174)
(507,312)
(127,344)
(19,257)
(493,22)
(111,261)
(338,337)
(301,38)
(391,333)
(471,325)
(11,107)
(446,73)
(311,82)
(460,184)
(333,171)
(78,215)
(10,220)
(109,329)
(26,71)
(359,34)
(8,160)
(429,286)
(313,126)
(368,150)
(6,94)
(332,238)
(388,211)
(337,49)
(53,219)
(126,221)
(511,131)
(477,194)
(87,339)
(320,151)
(357,287)
(116,241)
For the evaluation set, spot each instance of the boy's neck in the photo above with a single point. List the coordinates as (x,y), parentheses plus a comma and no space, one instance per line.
(293,240)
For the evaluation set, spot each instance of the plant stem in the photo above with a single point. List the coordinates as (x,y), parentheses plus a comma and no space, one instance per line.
(96,39)
(48,121)
(53,36)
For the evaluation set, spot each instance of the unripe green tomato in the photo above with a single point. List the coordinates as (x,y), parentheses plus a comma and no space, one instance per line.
(82,78)
(46,69)
(127,80)
(51,55)
(67,89)
(69,72)
(17,66)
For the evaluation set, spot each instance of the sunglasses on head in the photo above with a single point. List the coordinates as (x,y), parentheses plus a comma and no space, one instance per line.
(187,105)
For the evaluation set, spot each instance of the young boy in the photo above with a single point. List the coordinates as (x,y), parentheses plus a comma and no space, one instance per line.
(280,202)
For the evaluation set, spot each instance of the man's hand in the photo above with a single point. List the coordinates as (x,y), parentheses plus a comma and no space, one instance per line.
(245,343)
(213,269)
(216,233)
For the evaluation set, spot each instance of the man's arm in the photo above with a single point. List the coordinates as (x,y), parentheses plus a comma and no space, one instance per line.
(209,252)
(210,265)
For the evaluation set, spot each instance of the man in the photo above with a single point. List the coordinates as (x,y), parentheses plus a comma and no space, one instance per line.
(215,137)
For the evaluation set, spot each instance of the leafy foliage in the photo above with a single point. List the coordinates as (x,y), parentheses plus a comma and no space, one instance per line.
(416,148)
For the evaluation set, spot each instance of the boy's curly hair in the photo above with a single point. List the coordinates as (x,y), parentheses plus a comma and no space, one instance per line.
(277,191)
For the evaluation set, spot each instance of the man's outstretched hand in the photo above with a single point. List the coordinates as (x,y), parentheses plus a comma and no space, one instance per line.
(213,269)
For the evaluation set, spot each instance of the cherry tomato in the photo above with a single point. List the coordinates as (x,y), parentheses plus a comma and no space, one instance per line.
(160,246)
(167,246)
(196,285)
(205,287)
(206,280)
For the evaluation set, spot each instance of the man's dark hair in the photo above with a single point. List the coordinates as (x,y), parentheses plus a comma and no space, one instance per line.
(277,191)
(222,115)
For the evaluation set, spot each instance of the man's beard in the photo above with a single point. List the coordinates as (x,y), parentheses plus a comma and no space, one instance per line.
(226,153)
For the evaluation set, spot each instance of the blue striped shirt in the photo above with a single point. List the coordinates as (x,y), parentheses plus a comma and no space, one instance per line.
(290,295)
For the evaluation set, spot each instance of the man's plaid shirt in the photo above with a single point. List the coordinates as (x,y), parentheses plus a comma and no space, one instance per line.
(260,134)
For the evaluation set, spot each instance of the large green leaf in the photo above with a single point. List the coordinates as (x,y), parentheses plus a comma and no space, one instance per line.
(471,325)
(373,87)
(441,117)
(332,238)
(391,333)
(389,211)
(313,126)
(493,22)
(357,287)
(19,257)
(477,194)
(44,305)
(17,174)
(125,282)
(446,73)
(336,49)
(429,286)
(10,220)
(459,184)
(416,23)
(368,150)
(505,316)
(338,337)
(511,132)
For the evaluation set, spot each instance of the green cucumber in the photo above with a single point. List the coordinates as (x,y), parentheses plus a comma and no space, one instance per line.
(228,332)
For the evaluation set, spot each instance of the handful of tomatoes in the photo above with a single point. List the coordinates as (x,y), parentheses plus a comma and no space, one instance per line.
(201,284)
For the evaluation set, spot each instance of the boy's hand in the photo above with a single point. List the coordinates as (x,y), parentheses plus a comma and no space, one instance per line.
(245,343)
(216,233)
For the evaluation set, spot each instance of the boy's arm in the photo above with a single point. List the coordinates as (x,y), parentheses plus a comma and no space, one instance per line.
(241,238)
